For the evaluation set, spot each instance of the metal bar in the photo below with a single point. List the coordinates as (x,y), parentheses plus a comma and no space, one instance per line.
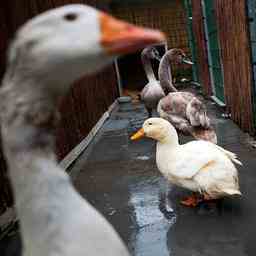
(208,47)
(218,101)
(119,79)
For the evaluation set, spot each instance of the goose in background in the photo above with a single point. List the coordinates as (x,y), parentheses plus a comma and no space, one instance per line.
(49,53)
(172,56)
(199,166)
(152,92)
(182,109)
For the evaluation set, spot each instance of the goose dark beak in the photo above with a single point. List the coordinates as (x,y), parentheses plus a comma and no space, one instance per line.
(187,61)
(158,58)
(119,37)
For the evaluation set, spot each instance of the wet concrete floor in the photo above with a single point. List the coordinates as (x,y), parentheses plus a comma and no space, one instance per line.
(120,179)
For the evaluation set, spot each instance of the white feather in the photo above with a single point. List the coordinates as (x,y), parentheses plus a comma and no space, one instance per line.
(198,165)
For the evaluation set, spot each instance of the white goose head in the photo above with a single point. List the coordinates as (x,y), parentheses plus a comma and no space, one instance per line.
(54,49)
(67,42)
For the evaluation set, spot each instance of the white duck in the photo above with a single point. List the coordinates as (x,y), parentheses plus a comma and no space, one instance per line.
(199,166)
(48,53)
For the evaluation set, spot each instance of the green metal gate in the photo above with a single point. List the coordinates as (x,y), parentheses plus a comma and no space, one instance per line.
(251,7)
(191,38)
(213,50)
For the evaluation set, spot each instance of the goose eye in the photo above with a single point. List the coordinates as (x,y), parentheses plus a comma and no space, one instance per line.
(149,123)
(70,17)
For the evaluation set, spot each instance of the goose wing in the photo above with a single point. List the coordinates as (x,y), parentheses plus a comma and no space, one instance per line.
(193,157)
(196,113)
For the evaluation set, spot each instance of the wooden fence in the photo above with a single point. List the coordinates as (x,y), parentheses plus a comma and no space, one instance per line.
(169,16)
(236,59)
(232,28)
(86,101)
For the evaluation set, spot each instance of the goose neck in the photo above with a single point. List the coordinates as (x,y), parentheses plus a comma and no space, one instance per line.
(148,68)
(164,74)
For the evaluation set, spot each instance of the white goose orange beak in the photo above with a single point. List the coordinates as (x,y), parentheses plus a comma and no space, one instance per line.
(119,37)
(139,134)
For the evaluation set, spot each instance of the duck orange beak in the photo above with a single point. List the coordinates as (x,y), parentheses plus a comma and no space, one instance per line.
(139,134)
(119,37)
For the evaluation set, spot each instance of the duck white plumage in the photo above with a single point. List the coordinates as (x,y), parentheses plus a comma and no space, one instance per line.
(199,166)
(48,53)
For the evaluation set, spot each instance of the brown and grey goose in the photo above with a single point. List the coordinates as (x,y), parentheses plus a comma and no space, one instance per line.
(184,110)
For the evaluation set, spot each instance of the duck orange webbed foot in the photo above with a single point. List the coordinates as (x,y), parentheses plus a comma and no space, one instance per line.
(191,201)
(195,200)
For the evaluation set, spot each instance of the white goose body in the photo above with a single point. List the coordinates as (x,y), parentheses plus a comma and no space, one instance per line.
(152,92)
(49,53)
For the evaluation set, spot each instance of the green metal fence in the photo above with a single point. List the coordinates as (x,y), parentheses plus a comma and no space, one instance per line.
(251,10)
(192,44)
(213,49)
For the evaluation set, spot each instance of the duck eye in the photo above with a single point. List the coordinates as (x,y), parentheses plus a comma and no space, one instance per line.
(149,123)
(70,17)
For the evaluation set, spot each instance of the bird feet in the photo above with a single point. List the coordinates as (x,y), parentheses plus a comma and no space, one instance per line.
(194,200)
(191,201)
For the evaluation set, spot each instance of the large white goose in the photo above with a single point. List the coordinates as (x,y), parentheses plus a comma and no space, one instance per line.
(47,54)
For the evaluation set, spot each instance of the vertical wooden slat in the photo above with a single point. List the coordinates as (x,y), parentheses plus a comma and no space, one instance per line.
(83,106)
(235,53)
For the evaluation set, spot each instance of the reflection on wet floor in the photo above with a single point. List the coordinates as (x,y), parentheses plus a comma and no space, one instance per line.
(146,203)
(135,203)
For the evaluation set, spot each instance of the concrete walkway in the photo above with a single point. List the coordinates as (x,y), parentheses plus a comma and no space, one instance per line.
(120,179)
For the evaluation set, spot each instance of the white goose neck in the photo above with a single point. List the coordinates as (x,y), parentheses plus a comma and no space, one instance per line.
(28,114)
(148,68)
(28,119)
